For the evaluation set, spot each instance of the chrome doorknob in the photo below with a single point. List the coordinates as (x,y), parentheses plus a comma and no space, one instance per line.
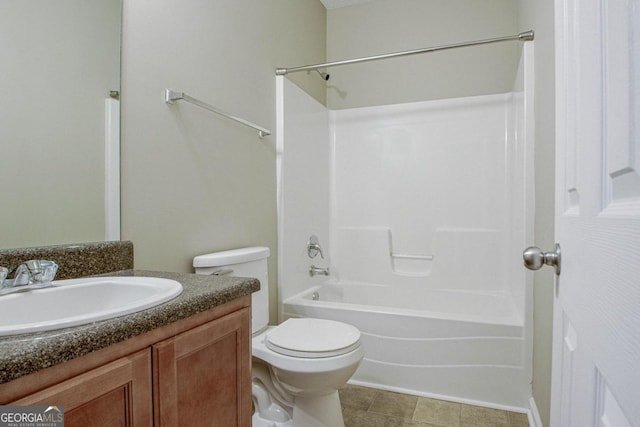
(534,258)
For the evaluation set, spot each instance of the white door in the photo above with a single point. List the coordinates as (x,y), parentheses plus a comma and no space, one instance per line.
(596,344)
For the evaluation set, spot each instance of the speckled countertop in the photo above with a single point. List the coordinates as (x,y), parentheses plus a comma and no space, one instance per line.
(24,354)
(76,259)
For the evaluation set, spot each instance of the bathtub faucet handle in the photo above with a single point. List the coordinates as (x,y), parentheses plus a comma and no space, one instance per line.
(313,247)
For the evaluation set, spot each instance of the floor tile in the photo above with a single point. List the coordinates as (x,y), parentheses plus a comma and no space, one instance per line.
(413,423)
(367,407)
(478,416)
(517,419)
(394,404)
(438,412)
(359,418)
(357,397)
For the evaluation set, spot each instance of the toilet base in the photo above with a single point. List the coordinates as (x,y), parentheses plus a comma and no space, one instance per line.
(258,421)
(318,411)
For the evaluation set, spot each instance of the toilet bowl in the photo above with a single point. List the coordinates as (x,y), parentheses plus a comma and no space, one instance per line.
(308,368)
(297,366)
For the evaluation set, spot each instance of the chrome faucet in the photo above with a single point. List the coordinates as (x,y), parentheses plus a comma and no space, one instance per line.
(314,271)
(22,276)
(33,274)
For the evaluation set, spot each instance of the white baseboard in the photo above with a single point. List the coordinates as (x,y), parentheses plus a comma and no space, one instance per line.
(534,415)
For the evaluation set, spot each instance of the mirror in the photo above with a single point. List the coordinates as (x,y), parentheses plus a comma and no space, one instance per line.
(60,60)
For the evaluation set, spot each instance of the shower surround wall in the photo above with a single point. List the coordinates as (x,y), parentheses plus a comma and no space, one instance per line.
(420,208)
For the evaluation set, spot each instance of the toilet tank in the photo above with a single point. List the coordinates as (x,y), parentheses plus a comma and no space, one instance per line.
(244,262)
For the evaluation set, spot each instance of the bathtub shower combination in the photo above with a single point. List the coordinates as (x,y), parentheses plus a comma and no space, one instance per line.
(422,211)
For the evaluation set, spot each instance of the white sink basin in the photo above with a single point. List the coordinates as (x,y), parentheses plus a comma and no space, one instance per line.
(79,301)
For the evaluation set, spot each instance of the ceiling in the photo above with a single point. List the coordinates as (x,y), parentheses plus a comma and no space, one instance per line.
(334,4)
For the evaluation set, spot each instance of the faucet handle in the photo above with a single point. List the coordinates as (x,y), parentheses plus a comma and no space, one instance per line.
(22,275)
(35,271)
(42,271)
(49,270)
(313,247)
(4,272)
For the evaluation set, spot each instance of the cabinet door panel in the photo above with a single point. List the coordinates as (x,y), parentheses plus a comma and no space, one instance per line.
(108,409)
(202,377)
(117,394)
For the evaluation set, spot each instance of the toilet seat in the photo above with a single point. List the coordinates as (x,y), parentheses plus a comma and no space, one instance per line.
(312,338)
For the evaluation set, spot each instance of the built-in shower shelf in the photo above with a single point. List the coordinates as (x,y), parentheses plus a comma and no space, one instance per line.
(408,256)
(411,264)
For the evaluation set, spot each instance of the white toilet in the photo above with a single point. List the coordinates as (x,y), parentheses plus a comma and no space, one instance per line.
(299,365)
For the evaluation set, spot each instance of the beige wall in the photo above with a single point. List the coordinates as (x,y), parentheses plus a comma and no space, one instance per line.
(386,26)
(538,15)
(194,182)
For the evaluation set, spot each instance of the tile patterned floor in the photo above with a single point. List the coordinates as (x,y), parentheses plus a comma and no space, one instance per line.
(367,407)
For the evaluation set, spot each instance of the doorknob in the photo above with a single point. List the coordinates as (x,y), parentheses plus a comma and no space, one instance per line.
(534,258)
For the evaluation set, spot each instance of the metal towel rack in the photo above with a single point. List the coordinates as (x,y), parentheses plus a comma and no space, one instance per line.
(170,96)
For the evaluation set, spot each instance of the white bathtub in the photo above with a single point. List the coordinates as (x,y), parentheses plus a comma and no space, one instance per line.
(457,345)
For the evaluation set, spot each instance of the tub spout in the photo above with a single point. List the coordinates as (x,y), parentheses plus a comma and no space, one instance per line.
(314,271)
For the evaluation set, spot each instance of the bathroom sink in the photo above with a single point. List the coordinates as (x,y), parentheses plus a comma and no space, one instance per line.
(76,302)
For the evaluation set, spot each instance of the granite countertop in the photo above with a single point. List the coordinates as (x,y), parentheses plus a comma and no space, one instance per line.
(25,354)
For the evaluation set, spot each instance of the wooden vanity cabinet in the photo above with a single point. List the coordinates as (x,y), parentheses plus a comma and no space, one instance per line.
(202,377)
(195,372)
(116,394)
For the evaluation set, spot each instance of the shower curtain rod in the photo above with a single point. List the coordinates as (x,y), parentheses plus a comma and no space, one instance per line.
(524,36)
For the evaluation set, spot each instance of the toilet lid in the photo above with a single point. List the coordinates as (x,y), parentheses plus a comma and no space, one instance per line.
(313,338)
